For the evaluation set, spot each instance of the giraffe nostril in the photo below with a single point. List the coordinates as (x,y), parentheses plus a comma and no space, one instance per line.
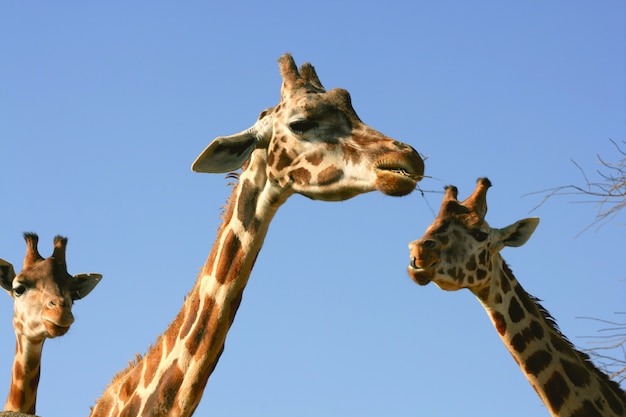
(429,244)
(56,303)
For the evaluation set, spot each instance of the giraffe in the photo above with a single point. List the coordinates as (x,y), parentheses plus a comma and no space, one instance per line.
(43,294)
(460,250)
(313,144)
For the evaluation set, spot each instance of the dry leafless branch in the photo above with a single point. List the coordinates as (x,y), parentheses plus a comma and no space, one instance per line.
(608,192)
(609,350)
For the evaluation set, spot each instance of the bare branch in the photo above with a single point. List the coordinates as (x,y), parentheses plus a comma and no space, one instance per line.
(610,351)
(609,193)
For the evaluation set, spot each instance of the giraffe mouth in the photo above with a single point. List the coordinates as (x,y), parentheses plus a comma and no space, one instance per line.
(398,178)
(55,329)
(421,276)
(402,169)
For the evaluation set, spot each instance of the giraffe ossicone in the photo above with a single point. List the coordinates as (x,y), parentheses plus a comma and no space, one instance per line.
(312,143)
(43,294)
(460,250)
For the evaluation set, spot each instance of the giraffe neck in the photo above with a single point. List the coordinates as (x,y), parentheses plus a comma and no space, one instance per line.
(170,378)
(24,376)
(565,379)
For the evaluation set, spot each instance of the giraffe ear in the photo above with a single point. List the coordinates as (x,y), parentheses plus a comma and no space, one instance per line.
(519,232)
(84,283)
(226,153)
(7,273)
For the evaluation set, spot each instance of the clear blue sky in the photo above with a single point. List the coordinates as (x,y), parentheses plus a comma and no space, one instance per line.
(103,107)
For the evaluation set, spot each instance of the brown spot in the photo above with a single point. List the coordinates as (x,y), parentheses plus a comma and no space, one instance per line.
(505,284)
(131,408)
(151,363)
(587,410)
(481,274)
(577,374)
(230,259)
(499,322)
(18,371)
(247,204)
(557,391)
(471,264)
(160,402)
(456,273)
(129,386)
(103,407)
(519,343)
(205,330)
(315,158)
(537,362)
(558,343)
(34,382)
(16,395)
(18,325)
(171,334)
(482,258)
(329,175)
(483,293)
(234,306)
(284,160)
(300,175)
(536,329)
(529,304)
(521,340)
(516,313)
(189,312)
(612,399)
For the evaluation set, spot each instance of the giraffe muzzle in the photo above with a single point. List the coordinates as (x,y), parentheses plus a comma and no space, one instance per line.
(398,173)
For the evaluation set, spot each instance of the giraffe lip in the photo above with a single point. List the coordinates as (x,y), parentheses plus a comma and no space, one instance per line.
(421,276)
(402,170)
(55,329)
(396,178)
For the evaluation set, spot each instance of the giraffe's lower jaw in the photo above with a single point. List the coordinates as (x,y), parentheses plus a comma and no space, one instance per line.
(54,330)
(395,181)
(421,276)
(397,173)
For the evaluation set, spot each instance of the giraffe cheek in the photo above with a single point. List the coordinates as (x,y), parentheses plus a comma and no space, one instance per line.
(329,176)
(300,176)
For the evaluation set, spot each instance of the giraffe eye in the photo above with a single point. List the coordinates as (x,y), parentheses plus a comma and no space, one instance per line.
(19,290)
(301,126)
(480,236)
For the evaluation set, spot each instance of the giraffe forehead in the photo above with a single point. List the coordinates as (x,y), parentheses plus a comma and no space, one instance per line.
(450,220)
(317,105)
(46,274)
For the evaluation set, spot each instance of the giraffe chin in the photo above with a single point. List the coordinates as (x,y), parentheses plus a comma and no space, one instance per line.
(55,330)
(421,276)
(397,173)
(395,184)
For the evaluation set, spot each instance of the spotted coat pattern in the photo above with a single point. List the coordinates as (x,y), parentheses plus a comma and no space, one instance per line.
(43,294)
(460,250)
(303,145)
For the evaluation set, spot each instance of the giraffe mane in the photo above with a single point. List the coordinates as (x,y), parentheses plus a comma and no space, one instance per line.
(550,320)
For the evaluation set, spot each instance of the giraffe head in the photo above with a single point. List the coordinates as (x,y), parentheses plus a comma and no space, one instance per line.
(44,292)
(313,143)
(459,247)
